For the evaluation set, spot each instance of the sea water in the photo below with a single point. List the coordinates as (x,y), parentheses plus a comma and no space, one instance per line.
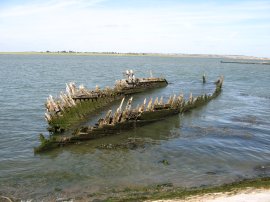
(227,140)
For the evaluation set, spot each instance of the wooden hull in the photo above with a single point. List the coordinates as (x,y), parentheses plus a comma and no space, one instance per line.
(85,104)
(128,118)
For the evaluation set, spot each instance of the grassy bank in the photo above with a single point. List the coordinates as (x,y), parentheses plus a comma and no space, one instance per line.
(167,191)
(150,193)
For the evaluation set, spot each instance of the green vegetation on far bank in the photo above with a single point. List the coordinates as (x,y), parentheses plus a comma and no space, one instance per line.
(75,53)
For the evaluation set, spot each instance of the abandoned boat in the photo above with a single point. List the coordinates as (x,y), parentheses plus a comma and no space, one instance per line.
(128,118)
(77,103)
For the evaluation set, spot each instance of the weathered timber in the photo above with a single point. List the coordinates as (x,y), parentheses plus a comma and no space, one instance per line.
(128,118)
(77,103)
(204,78)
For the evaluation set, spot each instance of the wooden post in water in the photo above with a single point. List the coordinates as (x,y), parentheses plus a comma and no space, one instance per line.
(204,78)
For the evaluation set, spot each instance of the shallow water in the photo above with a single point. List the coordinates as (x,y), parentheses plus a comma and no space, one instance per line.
(227,140)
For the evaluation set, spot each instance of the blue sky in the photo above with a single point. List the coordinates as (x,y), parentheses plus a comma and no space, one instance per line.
(159,26)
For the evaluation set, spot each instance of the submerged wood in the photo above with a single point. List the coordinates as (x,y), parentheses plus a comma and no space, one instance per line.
(76,103)
(126,118)
(204,78)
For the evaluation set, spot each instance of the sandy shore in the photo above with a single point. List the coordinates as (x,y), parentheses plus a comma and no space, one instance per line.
(246,195)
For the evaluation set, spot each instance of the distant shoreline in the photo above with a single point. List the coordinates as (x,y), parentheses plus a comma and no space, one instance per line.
(177,55)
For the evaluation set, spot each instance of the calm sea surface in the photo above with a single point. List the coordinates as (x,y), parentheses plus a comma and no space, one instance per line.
(225,141)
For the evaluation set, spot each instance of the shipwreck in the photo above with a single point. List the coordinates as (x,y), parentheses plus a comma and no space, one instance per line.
(126,118)
(78,102)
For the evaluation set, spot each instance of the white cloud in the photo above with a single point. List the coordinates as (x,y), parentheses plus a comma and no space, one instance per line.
(46,6)
(85,26)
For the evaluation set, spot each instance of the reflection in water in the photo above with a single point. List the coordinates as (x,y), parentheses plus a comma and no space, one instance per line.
(150,134)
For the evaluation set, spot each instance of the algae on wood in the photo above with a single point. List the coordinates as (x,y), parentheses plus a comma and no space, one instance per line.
(131,118)
(77,103)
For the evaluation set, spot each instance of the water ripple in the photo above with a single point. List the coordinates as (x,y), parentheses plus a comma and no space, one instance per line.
(224,141)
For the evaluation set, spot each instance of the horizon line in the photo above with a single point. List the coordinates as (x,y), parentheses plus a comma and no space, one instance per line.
(70,52)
